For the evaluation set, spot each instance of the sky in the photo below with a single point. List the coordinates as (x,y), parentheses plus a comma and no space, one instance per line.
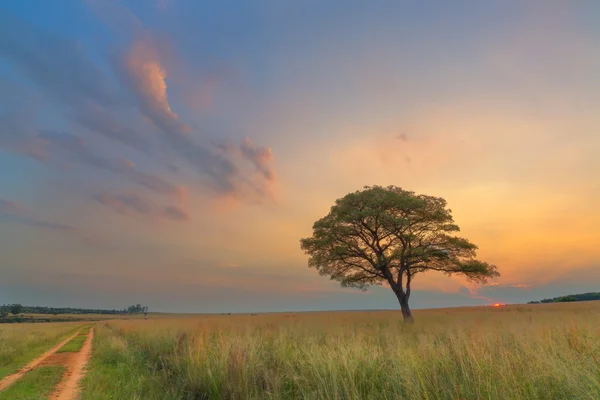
(173,153)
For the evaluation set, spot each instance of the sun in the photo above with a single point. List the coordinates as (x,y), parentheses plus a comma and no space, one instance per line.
(498,305)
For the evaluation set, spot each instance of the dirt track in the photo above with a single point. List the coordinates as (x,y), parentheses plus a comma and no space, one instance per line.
(10,379)
(74,363)
(68,388)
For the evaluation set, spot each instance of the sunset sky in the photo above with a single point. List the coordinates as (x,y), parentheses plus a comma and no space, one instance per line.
(173,153)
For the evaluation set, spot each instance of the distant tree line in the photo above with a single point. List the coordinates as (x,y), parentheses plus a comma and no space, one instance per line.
(16,309)
(570,297)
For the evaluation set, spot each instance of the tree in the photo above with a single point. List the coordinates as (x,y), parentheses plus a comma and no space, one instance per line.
(387,236)
(137,308)
(3,312)
(16,309)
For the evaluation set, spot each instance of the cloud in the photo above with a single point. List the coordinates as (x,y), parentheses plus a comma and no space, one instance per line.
(11,208)
(175,213)
(102,121)
(200,96)
(135,205)
(497,292)
(63,72)
(141,69)
(513,285)
(55,147)
(156,183)
(124,203)
(16,213)
(261,157)
(61,69)
(117,16)
(59,66)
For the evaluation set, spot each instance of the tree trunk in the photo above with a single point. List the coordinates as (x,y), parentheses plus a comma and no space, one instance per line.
(406,313)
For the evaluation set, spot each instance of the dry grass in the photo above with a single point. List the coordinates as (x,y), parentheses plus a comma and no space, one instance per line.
(549,351)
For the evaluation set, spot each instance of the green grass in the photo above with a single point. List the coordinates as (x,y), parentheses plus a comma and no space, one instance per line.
(37,384)
(515,352)
(21,343)
(116,372)
(75,344)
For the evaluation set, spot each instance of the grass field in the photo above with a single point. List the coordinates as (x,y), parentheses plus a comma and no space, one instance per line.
(548,351)
(20,343)
(37,384)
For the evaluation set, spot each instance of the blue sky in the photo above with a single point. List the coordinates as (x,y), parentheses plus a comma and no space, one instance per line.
(173,153)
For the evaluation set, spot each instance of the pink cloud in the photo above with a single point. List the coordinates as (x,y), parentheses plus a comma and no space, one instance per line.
(261,157)
(142,68)
(142,62)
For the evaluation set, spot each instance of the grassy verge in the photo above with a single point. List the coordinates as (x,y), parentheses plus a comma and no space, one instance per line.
(518,352)
(75,344)
(117,371)
(21,343)
(37,384)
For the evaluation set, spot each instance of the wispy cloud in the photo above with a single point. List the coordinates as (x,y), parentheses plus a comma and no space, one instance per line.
(261,157)
(135,205)
(16,213)
(142,69)
(143,72)
(56,148)
(101,120)
(126,204)
(175,213)
(95,101)
(513,285)
(57,65)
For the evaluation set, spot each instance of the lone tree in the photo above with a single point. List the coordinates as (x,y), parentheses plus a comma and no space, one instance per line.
(381,235)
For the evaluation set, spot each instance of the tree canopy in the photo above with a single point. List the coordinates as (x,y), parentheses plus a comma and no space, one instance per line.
(137,308)
(388,235)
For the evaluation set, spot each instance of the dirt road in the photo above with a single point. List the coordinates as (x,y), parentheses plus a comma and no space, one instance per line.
(68,387)
(10,379)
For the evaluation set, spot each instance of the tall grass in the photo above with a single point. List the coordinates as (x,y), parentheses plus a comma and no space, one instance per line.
(20,343)
(516,352)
